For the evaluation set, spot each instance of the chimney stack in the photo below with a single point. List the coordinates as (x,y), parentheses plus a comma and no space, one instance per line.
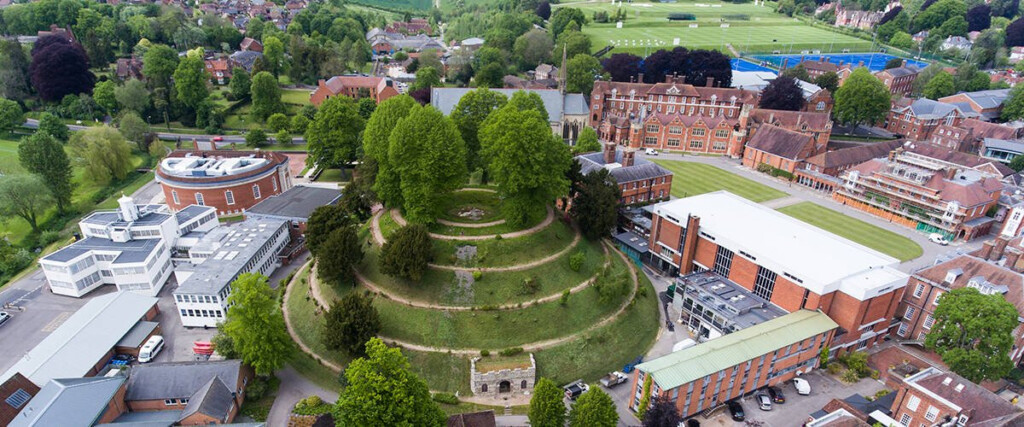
(711,81)
(986,251)
(609,152)
(1000,247)
(627,156)
(951,173)
(640,77)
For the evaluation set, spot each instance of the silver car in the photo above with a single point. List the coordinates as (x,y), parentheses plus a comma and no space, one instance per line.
(4,317)
(764,402)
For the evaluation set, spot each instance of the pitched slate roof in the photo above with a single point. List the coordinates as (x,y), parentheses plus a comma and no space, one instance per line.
(159,381)
(213,399)
(957,157)
(972,267)
(681,367)
(791,120)
(446,98)
(641,169)
(298,202)
(780,142)
(854,155)
(980,405)
(69,402)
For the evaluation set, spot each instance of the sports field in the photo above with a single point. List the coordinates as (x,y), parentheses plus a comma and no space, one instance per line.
(690,179)
(881,240)
(748,28)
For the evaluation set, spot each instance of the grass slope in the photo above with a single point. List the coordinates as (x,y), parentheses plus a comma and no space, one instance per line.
(505,252)
(691,179)
(854,229)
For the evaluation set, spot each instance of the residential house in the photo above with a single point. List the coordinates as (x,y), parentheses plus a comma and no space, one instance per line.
(219,70)
(957,42)
(246,59)
(1016,54)
(414,26)
(129,68)
(899,80)
(250,44)
(377,88)
(917,119)
(383,42)
(545,72)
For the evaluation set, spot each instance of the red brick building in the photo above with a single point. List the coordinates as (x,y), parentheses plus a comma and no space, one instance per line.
(711,373)
(917,119)
(376,88)
(932,397)
(219,70)
(15,392)
(899,80)
(818,67)
(986,104)
(231,181)
(250,44)
(970,133)
(783,260)
(822,171)
(779,148)
(641,181)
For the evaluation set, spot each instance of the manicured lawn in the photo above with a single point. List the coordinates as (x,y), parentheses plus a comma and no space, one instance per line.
(9,155)
(493,288)
(388,224)
(295,96)
(854,229)
(690,179)
(441,371)
(495,330)
(335,175)
(462,201)
(505,252)
(748,28)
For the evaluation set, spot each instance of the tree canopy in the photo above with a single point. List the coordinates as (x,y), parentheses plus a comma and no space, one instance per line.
(939,86)
(102,152)
(662,413)
(322,222)
(256,324)
(861,99)
(1013,107)
(44,156)
(429,157)
(377,139)
(333,134)
(973,333)
(546,407)
(526,160)
(580,73)
(53,126)
(190,80)
(382,391)
(11,115)
(266,96)
(469,114)
(593,409)
(25,197)
(338,255)
(595,207)
(407,253)
(783,93)
(350,323)
(60,68)
(132,95)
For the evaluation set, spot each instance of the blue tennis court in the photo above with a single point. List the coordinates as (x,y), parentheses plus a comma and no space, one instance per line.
(739,64)
(874,61)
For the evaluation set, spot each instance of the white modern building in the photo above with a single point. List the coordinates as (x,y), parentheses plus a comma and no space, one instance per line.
(130,247)
(218,258)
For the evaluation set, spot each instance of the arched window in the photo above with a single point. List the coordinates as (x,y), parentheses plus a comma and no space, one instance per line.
(523,386)
(256,191)
(483,388)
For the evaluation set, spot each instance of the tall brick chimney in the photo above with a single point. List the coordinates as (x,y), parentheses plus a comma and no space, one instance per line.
(627,157)
(1000,247)
(711,81)
(609,152)
(689,248)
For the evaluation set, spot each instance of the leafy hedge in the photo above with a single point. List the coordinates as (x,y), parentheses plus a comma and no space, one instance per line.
(679,16)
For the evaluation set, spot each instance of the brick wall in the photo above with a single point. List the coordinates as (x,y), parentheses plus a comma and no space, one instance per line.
(242,193)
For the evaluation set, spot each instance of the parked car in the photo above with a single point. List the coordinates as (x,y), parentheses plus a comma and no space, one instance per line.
(151,348)
(127,358)
(217,139)
(938,238)
(651,152)
(776,394)
(764,402)
(692,423)
(4,317)
(575,389)
(802,386)
(613,379)
(736,410)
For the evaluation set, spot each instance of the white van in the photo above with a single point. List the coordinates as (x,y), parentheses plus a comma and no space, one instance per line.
(151,348)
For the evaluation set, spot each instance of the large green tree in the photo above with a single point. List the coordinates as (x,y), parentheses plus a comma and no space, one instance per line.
(469,114)
(190,80)
(973,333)
(11,115)
(322,222)
(338,255)
(941,85)
(426,78)
(333,135)
(273,54)
(103,94)
(14,79)
(240,83)
(526,160)
(133,95)
(1013,107)
(134,129)
(593,409)
(407,253)
(376,140)
(580,73)
(43,155)
(862,99)
(595,207)
(383,391)
(102,152)
(350,323)
(266,96)
(54,126)
(25,197)
(587,142)
(532,48)
(256,325)
(546,407)
(429,156)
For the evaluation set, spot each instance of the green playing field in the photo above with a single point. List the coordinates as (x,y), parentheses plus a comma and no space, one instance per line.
(748,28)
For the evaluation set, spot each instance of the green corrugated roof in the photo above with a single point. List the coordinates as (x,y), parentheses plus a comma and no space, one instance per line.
(704,359)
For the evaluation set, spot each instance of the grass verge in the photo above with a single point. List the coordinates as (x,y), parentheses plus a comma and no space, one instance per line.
(690,179)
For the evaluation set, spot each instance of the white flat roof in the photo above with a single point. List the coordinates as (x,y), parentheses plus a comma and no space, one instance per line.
(822,261)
